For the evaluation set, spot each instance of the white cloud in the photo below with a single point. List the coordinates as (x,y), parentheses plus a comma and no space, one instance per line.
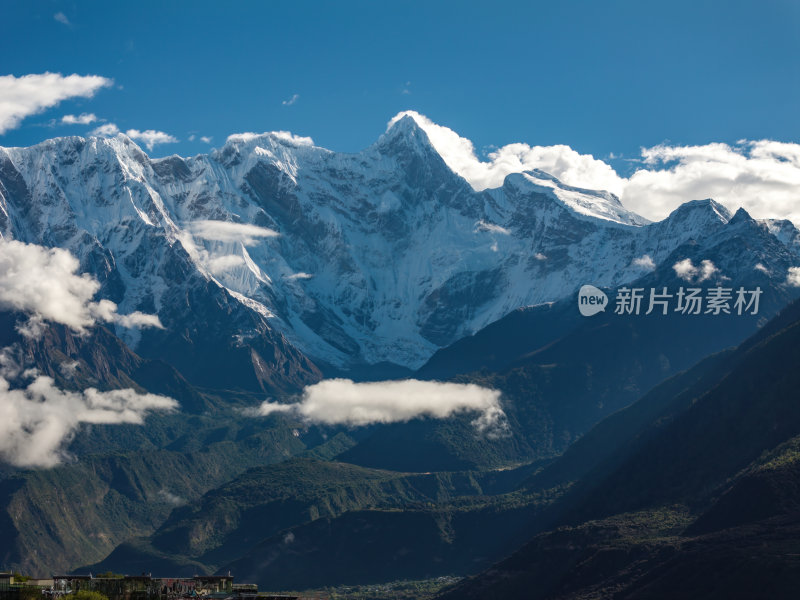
(151,137)
(793,276)
(491,227)
(62,18)
(286,136)
(82,119)
(191,137)
(300,275)
(221,264)
(687,271)
(45,284)
(540,256)
(344,402)
(761,268)
(645,262)
(226,231)
(28,95)
(171,498)
(292,100)
(105,130)
(38,420)
(762,176)
(206,139)
(106,311)
(560,161)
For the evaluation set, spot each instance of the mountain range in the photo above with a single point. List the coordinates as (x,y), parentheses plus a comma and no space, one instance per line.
(629,441)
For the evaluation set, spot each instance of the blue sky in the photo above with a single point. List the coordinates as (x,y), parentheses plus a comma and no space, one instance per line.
(658,102)
(603,77)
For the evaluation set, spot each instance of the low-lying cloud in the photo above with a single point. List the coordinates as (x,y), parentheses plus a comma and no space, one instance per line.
(37,421)
(793,276)
(226,231)
(344,402)
(687,271)
(760,175)
(44,283)
(644,262)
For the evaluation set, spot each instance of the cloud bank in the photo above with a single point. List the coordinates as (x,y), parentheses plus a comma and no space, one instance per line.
(762,176)
(44,283)
(21,97)
(344,402)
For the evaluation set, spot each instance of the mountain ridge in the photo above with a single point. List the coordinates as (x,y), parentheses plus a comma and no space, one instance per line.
(335,261)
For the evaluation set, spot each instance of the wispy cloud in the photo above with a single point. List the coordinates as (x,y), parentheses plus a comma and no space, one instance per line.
(491,228)
(206,139)
(226,231)
(300,275)
(151,137)
(344,402)
(62,18)
(224,263)
(171,498)
(292,100)
(21,97)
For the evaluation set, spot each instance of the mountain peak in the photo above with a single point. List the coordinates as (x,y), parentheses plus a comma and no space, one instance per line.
(740,216)
(583,203)
(706,209)
(404,133)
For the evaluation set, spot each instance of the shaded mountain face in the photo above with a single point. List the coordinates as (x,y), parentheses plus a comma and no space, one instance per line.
(689,492)
(283,257)
(561,373)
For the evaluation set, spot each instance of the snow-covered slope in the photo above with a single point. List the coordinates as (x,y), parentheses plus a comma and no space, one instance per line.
(273,243)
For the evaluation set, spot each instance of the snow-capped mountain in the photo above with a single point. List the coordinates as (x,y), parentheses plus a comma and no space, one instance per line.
(280,250)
